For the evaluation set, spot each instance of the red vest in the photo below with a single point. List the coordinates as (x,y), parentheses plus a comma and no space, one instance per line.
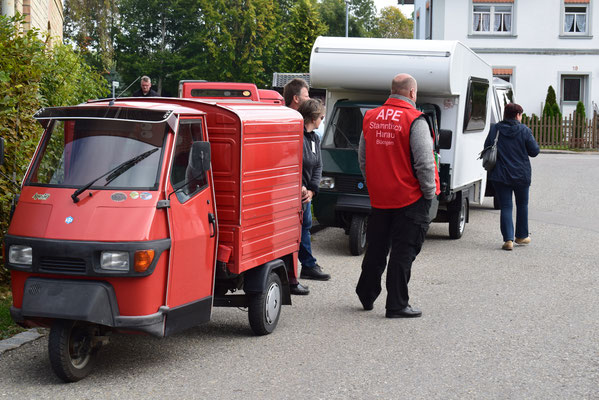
(389,173)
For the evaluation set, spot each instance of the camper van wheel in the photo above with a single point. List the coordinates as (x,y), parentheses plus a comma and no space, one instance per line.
(357,234)
(264,309)
(457,218)
(71,349)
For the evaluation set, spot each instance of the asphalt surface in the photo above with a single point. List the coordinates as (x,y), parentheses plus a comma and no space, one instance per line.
(496,324)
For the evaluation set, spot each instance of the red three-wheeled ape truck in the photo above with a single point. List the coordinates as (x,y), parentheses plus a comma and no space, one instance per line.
(142,214)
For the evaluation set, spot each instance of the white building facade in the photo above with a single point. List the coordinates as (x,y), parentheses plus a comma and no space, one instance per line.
(531,43)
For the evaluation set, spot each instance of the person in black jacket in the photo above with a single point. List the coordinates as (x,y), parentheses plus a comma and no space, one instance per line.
(145,88)
(512,172)
(313,112)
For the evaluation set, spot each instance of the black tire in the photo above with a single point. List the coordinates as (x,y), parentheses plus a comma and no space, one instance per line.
(72,354)
(264,309)
(496,205)
(357,234)
(457,218)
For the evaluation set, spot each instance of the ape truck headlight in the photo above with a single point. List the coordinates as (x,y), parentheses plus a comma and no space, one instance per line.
(22,255)
(115,261)
(327,182)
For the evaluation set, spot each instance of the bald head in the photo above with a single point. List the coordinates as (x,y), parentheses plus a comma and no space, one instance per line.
(403,84)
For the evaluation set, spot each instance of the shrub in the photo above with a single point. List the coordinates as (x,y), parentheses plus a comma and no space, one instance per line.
(579,120)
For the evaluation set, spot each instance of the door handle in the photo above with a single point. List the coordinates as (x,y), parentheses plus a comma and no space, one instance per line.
(212,222)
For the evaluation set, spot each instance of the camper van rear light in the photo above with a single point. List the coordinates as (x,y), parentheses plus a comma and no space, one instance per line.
(115,261)
(327,182)
(143,260)
(20,255)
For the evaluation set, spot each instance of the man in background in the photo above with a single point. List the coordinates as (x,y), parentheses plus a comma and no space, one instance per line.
(145,89)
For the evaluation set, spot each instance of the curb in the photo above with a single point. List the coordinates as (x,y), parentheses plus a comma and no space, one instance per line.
(19,339)
(554,151)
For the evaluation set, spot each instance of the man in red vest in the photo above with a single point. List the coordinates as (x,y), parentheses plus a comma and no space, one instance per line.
(397,160)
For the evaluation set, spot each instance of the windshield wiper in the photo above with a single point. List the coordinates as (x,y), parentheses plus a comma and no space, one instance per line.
(349,143)
(114,173)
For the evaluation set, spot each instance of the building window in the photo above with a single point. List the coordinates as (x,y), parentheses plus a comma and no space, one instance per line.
(492,19)
(576,20)
(503,73)
(572,88)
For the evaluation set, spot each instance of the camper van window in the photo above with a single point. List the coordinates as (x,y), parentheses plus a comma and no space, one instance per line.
(475,113)
(76,152)
(181,176)
(345,127)
(504,96)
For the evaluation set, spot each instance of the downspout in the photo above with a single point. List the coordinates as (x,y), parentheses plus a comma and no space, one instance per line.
(8,8)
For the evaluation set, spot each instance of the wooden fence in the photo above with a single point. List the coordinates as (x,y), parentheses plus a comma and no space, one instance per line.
(572,132)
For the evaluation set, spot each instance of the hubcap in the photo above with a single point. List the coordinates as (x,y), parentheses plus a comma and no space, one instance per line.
(363,233)
(273,303)
(463,217)
(79,347)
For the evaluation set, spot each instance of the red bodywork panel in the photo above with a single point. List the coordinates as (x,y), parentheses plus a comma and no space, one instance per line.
(95,218)
(271,96)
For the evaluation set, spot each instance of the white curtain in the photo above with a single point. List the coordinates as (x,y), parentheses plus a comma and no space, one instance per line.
(497,25)
(507,20)
(486,22)
(475,23)
(569,23)
(581,23)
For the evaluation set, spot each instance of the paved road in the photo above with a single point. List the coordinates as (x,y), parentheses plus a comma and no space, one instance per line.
(496,324)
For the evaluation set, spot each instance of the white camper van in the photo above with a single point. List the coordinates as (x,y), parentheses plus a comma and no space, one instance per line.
(453,91)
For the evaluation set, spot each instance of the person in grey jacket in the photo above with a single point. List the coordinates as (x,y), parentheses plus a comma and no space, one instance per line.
(512,173)
(397,161)
(313,112)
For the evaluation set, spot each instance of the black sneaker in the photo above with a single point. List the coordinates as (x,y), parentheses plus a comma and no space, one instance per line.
(315,273)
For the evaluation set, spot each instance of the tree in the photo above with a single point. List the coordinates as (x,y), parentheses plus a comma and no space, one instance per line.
(362,17)
(579,121)
(250,32)
(197,39)
(150,39)
(551,108)
(303,29)
(364,12)
(393,24)
(90,25)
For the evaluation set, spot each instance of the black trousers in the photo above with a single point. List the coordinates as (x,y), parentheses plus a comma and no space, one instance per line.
(402,231)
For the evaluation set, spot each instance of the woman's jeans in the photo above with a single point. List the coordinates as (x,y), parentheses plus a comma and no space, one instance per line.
(504,196)
(305,251)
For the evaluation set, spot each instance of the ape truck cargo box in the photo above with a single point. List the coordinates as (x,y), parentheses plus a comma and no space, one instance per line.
(141,215)
(453,92)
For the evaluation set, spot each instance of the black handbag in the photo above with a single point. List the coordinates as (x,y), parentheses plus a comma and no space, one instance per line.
(489,154)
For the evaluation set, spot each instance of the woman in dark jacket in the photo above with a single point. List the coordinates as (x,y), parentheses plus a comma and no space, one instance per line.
(512,172)
(313,112)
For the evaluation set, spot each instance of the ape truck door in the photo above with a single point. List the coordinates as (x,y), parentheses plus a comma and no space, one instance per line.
(193,228)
